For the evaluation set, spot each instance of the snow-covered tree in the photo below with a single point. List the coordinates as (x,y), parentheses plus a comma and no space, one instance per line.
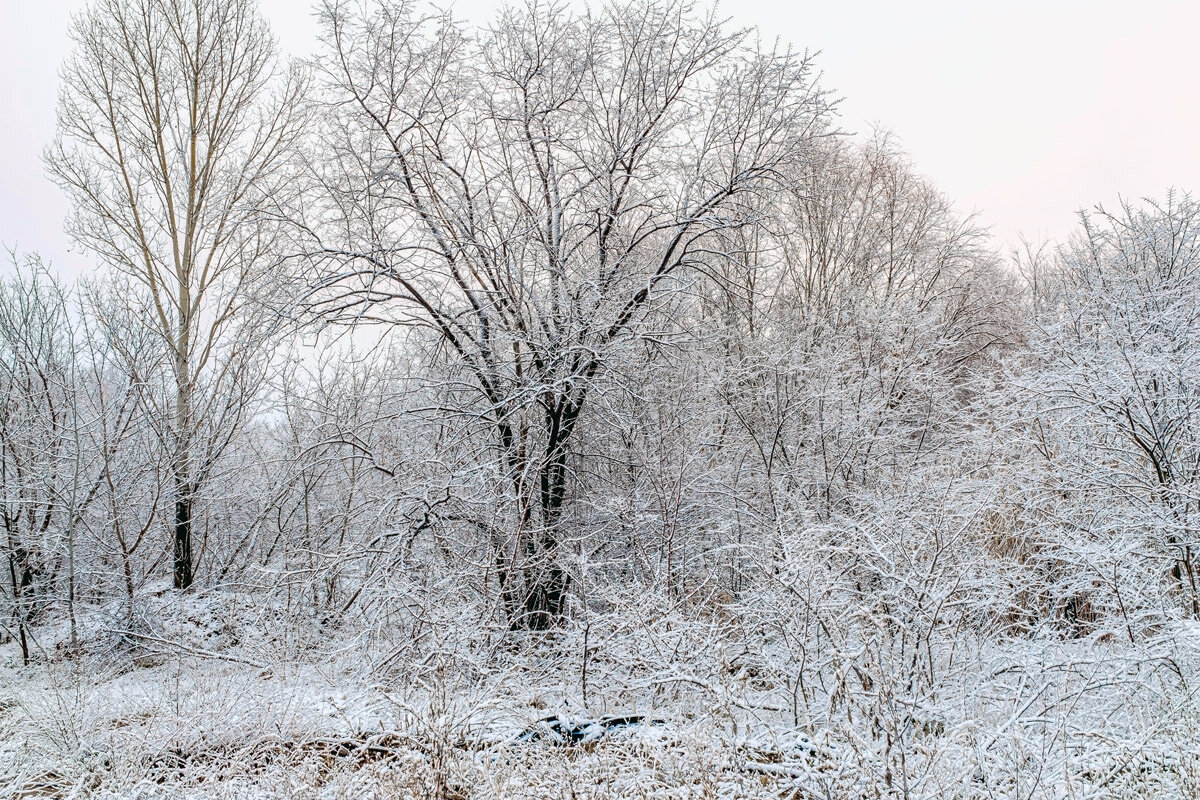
(172,147)
(526,194)
(1122,382)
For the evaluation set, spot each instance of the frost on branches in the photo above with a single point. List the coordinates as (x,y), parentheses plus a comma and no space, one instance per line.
(566,406)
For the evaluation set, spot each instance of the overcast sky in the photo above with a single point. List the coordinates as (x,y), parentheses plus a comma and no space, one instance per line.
(1021,110)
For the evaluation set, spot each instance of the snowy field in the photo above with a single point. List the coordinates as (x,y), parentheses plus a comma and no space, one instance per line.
(211,697)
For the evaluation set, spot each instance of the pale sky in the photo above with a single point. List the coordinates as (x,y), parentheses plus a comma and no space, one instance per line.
(1021,110)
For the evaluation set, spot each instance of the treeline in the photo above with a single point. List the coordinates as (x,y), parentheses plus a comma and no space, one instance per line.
(510,328)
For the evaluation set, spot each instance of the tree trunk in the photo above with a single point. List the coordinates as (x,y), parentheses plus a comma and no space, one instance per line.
(183,537)
(184,488)
(546,585)
(547,599)
(546,582)
(18,605)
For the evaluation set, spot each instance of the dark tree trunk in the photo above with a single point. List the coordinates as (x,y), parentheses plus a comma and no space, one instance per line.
(547,599)
(545,586)
(546,583)
(19,616)
(183,538)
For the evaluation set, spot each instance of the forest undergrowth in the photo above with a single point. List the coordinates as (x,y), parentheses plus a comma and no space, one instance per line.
(568,406)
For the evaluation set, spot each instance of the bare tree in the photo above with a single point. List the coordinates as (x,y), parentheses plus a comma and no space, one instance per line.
(36,416)
(123,358)
(172,149)
(528,195)
(68,417)
(1123,377)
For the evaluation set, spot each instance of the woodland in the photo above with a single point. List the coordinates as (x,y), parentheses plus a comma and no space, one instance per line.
(565,405)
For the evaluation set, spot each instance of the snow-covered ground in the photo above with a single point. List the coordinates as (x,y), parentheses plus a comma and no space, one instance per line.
(213,697)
